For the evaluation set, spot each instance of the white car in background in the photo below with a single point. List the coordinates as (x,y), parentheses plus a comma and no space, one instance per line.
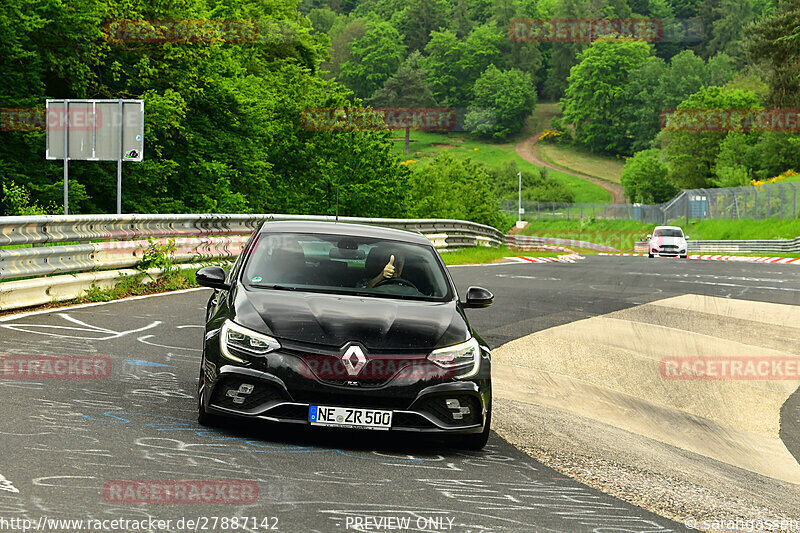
(667,241)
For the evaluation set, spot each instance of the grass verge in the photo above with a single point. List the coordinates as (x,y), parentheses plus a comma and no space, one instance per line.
(622,234)
(427,145)
(577,160)
(128,286)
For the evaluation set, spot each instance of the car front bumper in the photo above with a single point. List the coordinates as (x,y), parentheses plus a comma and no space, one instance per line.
(279,392)
(668,253)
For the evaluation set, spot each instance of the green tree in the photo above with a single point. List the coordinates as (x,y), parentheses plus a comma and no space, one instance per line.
(375,56)
(775,40)
(344,31)
(460,22)
(453,65)
(407,88)
(597,91)
(419,18)
(16,201)
(537,185)
(565,55)
(322,19)
(693,140)
(441,63)
(448,187)
(644,178)
(645,103)
(656,87)
(730,17)
(506,98)
(737,158)
(225,127)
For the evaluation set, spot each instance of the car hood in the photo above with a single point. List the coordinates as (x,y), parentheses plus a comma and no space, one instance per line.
(668,241)
(334,320)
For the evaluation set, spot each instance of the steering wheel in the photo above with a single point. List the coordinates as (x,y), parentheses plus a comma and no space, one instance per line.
(397,281)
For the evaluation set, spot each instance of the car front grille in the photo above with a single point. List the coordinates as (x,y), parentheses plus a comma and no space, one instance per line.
(337,399)
(376,372)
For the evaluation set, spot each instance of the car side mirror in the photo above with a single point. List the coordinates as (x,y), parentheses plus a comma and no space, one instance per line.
(213,277)
(477,298)
(686,237)
(649,237)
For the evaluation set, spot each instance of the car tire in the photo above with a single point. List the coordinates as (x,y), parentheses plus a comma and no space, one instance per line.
(650,256)
(476,441)
(684,256)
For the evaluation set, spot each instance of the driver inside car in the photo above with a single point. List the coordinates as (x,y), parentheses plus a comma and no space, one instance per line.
(392,268)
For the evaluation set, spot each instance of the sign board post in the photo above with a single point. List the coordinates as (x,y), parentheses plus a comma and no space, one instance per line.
(95,130)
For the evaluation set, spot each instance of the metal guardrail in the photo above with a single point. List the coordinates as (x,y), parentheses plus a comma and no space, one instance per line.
(749,246)
(752,246)
(524,242)
(123,239)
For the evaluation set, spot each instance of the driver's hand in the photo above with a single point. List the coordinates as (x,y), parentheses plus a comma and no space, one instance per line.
(388,270)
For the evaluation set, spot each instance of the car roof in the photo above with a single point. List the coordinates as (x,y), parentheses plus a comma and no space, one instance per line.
(669,227)
(343,228)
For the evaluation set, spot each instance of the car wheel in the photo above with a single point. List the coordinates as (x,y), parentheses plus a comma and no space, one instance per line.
(203,417)
(684,256)
(477,441)
(650,256)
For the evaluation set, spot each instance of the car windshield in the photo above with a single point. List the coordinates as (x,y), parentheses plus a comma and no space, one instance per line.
(345,264)
(668,233)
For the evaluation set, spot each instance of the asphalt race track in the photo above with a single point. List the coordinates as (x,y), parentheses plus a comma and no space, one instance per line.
(65,440)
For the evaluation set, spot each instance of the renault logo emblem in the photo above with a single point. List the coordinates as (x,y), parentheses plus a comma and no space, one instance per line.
(354,360)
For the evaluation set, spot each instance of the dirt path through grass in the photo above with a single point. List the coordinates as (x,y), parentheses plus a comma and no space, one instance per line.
(527,150)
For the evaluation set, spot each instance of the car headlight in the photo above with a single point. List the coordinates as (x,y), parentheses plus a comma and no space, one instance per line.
(236,338)
(465,356)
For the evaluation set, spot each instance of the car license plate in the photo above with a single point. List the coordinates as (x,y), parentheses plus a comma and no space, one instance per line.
(348,417)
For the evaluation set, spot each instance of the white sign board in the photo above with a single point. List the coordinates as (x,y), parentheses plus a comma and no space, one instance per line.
(95,130)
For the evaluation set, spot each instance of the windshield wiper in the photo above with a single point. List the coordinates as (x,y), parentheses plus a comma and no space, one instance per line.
(276,287)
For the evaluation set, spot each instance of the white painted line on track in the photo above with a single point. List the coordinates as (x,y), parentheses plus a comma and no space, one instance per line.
(93,304)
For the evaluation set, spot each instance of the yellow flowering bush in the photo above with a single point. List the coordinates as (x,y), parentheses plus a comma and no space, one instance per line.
(549,135)
(782,176)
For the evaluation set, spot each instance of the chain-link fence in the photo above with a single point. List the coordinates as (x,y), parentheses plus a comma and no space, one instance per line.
(771,200)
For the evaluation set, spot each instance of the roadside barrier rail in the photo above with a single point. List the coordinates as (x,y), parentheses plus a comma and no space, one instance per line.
(526,242)
(750,246)
(43,245)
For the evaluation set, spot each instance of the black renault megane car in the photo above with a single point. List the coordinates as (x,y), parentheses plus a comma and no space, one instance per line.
(345,326)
